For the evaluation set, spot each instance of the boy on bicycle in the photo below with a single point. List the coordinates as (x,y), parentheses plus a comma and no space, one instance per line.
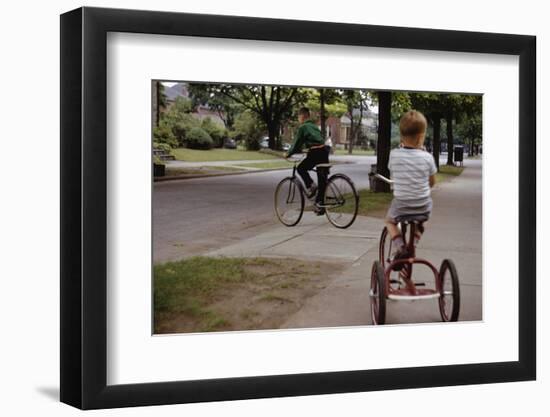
(309,136)
(413,172)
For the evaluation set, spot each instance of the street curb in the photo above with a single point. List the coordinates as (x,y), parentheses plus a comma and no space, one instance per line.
(192,176)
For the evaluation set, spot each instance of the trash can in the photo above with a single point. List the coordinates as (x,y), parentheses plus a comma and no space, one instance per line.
(159,170)
(372,179)
(459,155)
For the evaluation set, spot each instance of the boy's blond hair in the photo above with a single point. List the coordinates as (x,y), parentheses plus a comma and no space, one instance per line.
(413,126)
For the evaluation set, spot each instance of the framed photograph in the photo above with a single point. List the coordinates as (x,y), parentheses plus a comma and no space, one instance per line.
(257,208)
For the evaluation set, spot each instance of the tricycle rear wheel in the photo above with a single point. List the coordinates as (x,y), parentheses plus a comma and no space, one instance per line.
(449,299)
(377,294)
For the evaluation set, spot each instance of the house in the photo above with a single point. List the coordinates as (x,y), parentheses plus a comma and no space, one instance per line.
(173,91)
(338,128)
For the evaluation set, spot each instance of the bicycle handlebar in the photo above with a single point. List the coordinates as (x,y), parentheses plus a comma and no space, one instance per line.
(381,177)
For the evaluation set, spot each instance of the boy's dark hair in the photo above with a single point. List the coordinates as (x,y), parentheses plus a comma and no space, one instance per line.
(304,111)
(412,123)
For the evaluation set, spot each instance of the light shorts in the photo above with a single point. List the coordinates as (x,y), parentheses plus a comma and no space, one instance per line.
(408,208)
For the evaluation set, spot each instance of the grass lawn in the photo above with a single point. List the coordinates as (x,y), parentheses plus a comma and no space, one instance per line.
(359,152)
(203,294)
(218,154)
(447,172)
(370,202)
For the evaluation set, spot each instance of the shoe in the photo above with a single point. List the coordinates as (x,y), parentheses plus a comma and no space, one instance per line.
(312,190)
(319,211)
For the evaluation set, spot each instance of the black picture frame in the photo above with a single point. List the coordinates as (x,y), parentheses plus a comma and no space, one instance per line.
(84,207)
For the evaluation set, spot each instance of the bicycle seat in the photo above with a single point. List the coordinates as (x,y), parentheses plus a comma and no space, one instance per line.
(412,218)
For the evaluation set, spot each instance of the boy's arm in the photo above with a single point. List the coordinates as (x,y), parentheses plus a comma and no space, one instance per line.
(432,180)
(297,144)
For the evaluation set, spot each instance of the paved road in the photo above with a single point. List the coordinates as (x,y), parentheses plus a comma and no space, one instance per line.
(192,216)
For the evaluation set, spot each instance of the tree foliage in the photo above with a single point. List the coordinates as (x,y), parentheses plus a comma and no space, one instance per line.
(356,102)
(272,104)
(248,129)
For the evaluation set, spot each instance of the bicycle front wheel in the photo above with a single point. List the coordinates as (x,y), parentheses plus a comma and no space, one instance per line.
(341,201)
(289,202)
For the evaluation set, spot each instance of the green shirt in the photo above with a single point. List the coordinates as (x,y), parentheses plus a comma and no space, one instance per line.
(308,135)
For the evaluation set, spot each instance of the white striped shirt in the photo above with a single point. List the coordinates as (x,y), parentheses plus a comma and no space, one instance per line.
(410,170)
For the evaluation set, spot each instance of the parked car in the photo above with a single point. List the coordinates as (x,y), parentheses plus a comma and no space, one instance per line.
(286,146)
(264,142)
(229,143)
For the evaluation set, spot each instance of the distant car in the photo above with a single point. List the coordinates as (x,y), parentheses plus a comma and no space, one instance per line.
(229,143)
(286,146)
(264,142)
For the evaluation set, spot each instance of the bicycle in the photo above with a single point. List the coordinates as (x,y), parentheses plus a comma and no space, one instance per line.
(383,287)
(341,201)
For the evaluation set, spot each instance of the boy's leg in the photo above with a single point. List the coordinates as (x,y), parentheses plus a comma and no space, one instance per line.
(321,157)
(399,249)
(392,228)
(303,168)
(418,233)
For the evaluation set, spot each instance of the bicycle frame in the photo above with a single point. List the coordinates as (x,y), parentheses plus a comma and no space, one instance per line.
(410,291)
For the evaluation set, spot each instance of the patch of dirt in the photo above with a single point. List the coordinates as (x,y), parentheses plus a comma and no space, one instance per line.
(278,289)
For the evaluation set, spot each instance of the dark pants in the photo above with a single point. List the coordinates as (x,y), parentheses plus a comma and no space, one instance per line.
(314,157)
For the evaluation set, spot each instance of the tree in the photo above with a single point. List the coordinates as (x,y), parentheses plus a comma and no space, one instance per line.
(383,145)
(179,119)
(248,129)
(433,108)
(226,107)
(272,104)
(356,105)
(328,97)
(159,101)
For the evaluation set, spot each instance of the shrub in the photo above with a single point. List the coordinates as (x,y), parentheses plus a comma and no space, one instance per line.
(162,146)
(163,134)
(198,138)
(216,132)
(249,129)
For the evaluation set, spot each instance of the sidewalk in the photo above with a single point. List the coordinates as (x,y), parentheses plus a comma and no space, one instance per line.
(454,231)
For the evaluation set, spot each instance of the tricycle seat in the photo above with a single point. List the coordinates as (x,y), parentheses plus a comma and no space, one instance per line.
(412,218)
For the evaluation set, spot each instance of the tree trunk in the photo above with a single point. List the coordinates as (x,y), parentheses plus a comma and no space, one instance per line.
(323,116)
(156,105)
(450,139)
(437,139)
(383,145)
(272,131)
(351,133)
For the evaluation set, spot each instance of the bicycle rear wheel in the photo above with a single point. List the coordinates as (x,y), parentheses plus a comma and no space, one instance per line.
(289,201)
(341,201)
